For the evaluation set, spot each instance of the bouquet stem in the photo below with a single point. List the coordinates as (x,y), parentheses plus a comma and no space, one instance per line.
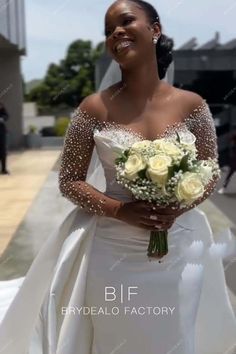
(158,244)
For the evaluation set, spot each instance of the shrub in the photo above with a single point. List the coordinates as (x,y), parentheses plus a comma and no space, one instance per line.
(61,126)
(32,129)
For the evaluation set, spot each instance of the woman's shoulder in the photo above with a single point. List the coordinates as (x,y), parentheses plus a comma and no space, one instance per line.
(192,105)
(96,105)
(190,100)
(92,107)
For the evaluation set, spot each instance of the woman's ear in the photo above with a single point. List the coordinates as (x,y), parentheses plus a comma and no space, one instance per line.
(156,29)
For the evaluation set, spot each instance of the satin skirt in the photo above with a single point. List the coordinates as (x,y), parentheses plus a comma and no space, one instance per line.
(138,305)
(92,290)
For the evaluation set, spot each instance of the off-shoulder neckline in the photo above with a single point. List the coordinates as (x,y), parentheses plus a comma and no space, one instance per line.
(109,124)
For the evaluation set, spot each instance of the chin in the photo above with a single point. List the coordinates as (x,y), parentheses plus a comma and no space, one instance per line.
(128,60)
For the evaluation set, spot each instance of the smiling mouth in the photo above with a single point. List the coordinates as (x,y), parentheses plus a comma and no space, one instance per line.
(123,45)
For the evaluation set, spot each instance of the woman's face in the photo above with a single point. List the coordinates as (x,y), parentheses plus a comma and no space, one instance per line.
(129,33)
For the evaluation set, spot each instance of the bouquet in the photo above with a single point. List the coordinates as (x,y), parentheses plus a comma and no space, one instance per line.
(165,171)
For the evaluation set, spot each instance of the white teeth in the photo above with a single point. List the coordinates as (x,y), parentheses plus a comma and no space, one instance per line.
(123,45)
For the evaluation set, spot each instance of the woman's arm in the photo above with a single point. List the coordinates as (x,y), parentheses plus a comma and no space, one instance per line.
(201,124)
(75,159)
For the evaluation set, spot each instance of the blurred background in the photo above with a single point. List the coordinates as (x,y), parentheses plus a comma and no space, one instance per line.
(52,55)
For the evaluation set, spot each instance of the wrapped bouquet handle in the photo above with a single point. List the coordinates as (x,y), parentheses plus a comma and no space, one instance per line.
(158,244)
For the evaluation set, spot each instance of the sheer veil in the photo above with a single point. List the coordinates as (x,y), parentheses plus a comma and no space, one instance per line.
(95,174)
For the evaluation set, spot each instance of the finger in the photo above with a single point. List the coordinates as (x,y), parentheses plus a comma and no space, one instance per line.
(152,227)
(157,218)
(141,207)
(161,210)
(157,225)
(157,214)
(166,217)
(148,221)
(167,211)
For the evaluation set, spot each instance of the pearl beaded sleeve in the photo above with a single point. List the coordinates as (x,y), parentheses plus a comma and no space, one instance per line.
(201,124)
(75,159)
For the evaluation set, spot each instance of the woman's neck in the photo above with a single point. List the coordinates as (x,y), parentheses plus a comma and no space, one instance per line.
(142,80)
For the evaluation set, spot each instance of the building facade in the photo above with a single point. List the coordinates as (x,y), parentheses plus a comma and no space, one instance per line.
(12,47)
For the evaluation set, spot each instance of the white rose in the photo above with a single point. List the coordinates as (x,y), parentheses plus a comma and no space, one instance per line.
(133,165)
(189,187)
(205,171)
(141,145)
(186,137)
(158,168)
(158,143)
(168,148)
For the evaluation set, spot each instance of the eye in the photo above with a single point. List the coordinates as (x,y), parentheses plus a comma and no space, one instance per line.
(128,20)
(125,22)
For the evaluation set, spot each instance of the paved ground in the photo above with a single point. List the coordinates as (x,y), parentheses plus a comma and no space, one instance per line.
(29,170)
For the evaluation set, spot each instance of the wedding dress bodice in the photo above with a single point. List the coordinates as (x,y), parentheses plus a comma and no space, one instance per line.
(86,131)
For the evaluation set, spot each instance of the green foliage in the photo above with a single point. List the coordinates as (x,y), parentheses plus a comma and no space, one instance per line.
(61,126)
(176,168)
(142,173)
(178,137)
(184,163)
(171,171)
(67,83)
(32,129)
(123,158)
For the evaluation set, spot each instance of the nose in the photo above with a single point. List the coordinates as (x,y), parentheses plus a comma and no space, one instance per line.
(119,31)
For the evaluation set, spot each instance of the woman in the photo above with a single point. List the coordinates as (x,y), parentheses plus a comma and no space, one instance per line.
(95,290)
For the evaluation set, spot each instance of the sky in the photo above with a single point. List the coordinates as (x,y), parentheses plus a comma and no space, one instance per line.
(52,25)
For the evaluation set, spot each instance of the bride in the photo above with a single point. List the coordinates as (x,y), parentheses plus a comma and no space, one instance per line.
(92,288)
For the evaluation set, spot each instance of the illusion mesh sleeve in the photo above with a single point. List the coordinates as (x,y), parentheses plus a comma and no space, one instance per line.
(201,124)
(75,159)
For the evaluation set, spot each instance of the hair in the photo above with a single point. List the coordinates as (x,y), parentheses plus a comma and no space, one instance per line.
(165,44)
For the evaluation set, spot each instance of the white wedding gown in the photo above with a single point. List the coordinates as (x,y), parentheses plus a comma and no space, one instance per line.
(181,305)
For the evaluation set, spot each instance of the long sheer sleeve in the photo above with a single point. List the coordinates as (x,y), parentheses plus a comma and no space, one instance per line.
(201,124)
(75,159)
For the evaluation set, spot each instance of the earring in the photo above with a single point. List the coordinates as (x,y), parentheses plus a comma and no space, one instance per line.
(155,40)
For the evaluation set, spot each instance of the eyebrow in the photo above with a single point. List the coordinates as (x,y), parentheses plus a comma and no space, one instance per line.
(122,14)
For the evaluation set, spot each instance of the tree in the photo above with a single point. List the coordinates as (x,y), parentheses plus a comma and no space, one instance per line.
(66,84)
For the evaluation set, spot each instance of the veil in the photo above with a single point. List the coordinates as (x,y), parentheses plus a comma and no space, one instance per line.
(95,175)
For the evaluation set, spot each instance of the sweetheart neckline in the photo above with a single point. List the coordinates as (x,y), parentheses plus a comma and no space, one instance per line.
(120,127)
(108,124)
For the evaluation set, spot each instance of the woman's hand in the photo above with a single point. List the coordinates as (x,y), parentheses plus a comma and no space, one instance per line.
(147,215)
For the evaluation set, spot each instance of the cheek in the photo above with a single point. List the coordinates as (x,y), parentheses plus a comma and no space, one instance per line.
(142,32)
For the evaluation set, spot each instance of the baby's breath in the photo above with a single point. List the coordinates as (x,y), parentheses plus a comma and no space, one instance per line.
(143,188)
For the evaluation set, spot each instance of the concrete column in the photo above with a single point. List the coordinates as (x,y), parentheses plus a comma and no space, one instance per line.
(11,94)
